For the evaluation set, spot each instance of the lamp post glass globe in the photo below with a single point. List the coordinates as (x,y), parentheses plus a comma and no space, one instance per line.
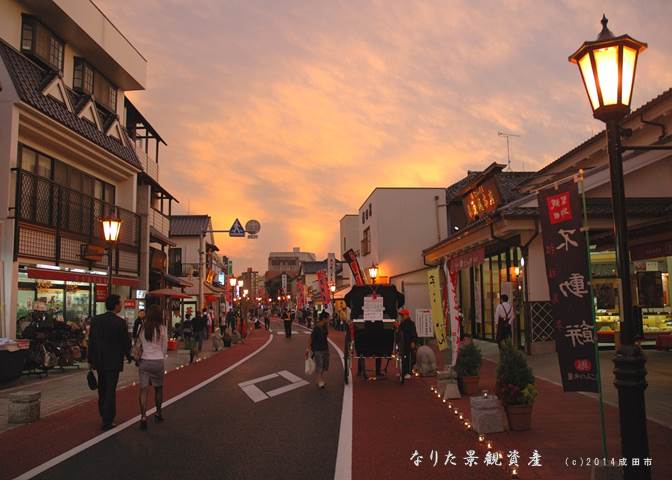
(111,228)
(373,272)
(607,66)
(332,288)
(233,282)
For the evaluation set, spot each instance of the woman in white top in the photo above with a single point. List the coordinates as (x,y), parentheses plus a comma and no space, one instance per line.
(154,337)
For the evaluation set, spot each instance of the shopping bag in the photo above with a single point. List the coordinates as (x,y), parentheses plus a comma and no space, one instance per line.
(91,380)
(310,365)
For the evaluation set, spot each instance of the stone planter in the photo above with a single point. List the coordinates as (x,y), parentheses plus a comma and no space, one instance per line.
(24,407)
(520,417)
(183,356)
(470,385)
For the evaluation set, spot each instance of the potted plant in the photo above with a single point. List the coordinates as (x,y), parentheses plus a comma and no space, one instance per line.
(468,366)
(515,386)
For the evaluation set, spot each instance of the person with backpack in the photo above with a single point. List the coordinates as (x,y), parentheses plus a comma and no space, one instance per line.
(318,347)
(504,319)
(153,336)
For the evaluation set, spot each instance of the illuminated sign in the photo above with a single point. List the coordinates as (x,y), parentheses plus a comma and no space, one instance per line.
(481,200)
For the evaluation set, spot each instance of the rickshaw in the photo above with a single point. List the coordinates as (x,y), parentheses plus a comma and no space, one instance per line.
(372,334)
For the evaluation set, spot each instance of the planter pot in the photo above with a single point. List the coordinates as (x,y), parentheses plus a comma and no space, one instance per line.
(227,342)
(470,385)
(520,417)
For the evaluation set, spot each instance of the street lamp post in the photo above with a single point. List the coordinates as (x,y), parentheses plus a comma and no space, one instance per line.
(373,273)
(232,283)
(111,229)
(607,66)
(332,289)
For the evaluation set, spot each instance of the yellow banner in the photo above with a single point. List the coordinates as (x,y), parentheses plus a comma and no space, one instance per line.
(434,285)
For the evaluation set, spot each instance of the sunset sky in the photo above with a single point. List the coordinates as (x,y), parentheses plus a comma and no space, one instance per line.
(291,112)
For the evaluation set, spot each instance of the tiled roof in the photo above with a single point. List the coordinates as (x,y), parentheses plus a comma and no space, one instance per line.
(455,189)
(508,184)
(29,79)
(188,225)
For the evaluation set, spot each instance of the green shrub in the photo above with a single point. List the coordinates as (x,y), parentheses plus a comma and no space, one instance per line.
(469,360)
(515,380)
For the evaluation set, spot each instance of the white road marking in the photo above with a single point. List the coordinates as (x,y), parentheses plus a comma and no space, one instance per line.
(99,438)
(287,388)
(250,388)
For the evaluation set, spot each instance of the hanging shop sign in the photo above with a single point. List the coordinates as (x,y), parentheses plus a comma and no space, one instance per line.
(454,313)
(129,304)
(436,302)
(351,257)
(567,267)
(331,269)
(482,200)
(651,250)
(101,293)
(284,283)
(470,259)
(324,287)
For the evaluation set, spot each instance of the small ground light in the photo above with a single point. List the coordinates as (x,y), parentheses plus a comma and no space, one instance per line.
(450,405)
(455,411)
(481,438)
(514,472)
(444,400)
(461,416)
(489,445)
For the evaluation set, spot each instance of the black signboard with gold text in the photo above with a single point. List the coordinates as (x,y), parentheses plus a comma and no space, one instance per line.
(567,266)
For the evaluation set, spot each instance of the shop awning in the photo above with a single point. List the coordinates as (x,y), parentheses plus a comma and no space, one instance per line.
(177,281)
(168,292)
(44,274)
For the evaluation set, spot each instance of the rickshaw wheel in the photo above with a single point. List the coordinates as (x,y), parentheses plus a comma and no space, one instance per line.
(346,368)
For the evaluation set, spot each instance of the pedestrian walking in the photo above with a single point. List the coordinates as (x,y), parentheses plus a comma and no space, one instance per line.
(504,319)
(287,320)
(267,320)
(318,347)
(138,323)
(153,336)
(199,324)
(109,343)
(188,336)
(410,337)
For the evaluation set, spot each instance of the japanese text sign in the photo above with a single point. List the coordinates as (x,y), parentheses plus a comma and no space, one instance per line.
(567,265)
(351,257)
(484,198)
(436,302)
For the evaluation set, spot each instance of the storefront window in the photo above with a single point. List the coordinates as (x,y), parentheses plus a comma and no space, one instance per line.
(76,302)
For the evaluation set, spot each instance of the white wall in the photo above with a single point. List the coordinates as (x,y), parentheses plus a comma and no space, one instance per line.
(10,23)
(414,287)
(403,224)
(537,283)
(349,232)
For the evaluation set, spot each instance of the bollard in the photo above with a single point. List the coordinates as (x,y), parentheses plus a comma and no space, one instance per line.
(24,407)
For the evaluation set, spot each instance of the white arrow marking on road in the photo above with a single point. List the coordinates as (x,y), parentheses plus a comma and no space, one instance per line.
(257,395)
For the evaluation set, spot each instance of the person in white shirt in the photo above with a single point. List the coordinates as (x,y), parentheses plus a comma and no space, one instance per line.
(504,318)
(154,337)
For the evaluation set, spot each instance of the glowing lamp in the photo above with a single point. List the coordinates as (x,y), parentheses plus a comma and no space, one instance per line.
(111,228)
(607,66)
(373,272)
(233,282)
(332,288)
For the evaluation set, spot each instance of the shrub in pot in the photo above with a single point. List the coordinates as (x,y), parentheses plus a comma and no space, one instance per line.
(468,367)
(515,386)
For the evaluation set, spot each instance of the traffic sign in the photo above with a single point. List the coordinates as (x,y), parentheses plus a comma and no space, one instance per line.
(236,229)
(253,227)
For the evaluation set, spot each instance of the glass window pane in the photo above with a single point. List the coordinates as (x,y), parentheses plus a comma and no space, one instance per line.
(75,180)
(98,190)
(60,173)
(87,185)
(28,159)
(44,166)
(27,36)
(76,304)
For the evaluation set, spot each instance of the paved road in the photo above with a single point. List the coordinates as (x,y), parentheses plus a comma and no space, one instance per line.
(220,432)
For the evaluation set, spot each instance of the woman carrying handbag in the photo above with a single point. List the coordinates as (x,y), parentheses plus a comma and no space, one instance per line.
(151,353)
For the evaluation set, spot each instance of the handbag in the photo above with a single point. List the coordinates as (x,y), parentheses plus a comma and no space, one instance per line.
(136,350)
(91,380)
(310,365)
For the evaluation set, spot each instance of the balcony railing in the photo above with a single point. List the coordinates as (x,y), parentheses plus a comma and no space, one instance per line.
(151,167)
(41,202)
(183,269)
(159,221)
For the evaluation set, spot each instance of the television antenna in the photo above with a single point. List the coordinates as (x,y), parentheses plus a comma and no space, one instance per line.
(508,137)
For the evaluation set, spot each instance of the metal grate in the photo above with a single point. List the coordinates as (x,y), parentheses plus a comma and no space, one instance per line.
(37,244)
(541,320)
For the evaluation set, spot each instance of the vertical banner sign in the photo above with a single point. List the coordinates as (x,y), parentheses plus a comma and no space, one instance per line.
(324,287)
(299,295)
(284,283)
(453,313)
(351,257)
(567,266)
(331,269)
(434,285)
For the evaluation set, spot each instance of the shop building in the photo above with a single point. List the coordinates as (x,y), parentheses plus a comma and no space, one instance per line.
(394,225)
(184,263)
(499,249)
(66,160)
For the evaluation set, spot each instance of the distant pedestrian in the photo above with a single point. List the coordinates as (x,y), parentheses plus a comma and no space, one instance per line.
(318,347)
(138,323)
(188,336)
(199,324)
(287,321)
(410,337)
(109,343)
(154,338)
(504,319)
(267,320)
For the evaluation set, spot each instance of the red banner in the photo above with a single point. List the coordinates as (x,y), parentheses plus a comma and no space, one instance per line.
(324,287)
(351,257)
(300,295)
(101,293)
(469,259)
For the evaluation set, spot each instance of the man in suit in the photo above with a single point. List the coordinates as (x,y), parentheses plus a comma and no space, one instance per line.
(109,343)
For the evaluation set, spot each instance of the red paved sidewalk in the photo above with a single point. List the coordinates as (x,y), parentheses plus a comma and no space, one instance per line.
(26,447)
